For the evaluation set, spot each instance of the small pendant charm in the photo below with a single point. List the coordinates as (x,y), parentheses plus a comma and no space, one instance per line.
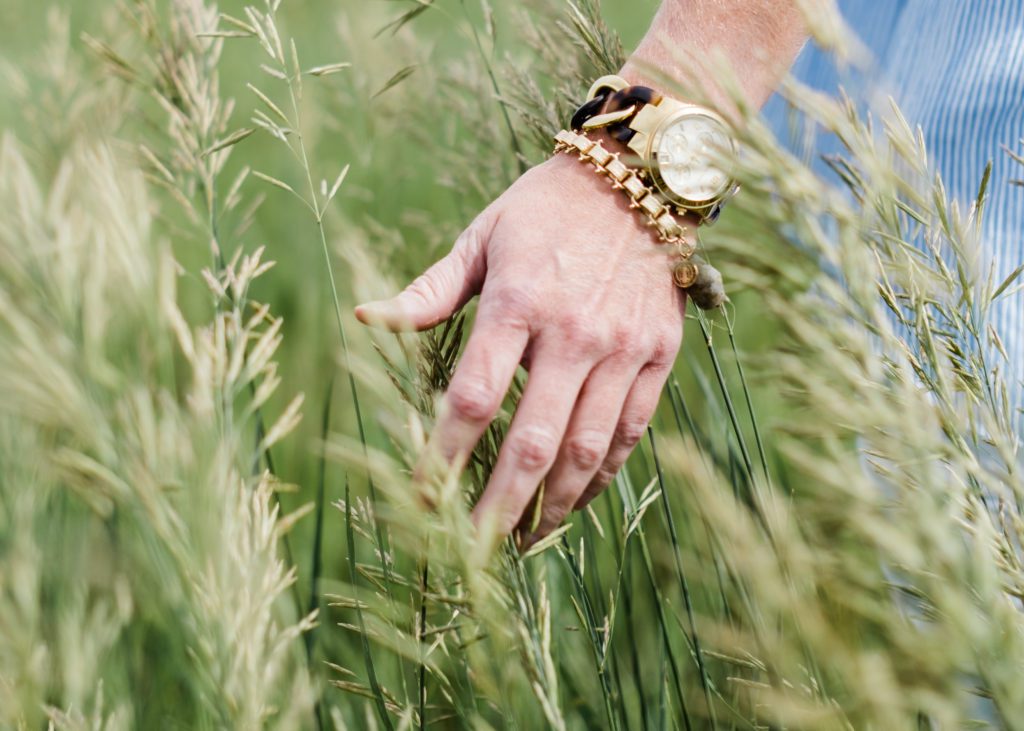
(684,274)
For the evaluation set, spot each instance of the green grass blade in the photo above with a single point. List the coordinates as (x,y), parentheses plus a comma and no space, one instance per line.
(371,673)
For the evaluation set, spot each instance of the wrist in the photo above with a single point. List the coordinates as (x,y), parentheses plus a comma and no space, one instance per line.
(693,44)
(664,156)
(697,86)
(581,189)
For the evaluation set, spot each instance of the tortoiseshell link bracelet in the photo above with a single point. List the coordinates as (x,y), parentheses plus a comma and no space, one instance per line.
(684,272)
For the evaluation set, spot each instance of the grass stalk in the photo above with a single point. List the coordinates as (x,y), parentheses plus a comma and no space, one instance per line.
(316,564)
(698,654)
(626,489)
(364,639)
(598,649)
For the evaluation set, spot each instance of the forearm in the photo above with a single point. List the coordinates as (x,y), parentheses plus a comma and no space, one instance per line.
(759,39)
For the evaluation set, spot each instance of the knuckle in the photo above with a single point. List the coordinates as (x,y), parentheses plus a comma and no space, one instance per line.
(631,343)
(629,433)
(473,400)
(533,447)
(666,345)
(580,332)
(586,450)
(512,302)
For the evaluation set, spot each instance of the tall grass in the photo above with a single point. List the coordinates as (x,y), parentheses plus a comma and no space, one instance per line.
(820,533)
(141,577)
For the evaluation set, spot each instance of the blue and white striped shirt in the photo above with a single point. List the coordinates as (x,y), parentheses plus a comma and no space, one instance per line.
(956,68)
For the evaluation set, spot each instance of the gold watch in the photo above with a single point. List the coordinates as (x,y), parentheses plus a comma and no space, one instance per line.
(680,146)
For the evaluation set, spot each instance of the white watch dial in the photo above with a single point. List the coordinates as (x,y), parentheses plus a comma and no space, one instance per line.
(686,155)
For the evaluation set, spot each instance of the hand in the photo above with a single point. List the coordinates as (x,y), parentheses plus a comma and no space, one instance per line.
(573,286)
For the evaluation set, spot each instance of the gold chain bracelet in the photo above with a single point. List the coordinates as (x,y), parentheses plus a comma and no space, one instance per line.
(642,198)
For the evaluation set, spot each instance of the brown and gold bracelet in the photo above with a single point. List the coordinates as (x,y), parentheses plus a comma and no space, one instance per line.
(685,273)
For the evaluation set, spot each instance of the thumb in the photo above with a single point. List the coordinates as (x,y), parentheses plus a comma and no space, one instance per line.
(437,293)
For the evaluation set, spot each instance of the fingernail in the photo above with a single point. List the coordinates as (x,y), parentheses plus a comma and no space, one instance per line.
(367,311)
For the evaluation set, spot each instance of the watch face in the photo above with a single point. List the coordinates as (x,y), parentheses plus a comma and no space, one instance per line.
(686,152)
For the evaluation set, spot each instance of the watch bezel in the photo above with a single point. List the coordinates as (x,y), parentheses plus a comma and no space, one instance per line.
(655,167)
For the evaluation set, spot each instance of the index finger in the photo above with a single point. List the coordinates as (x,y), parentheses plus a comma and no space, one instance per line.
(481,380)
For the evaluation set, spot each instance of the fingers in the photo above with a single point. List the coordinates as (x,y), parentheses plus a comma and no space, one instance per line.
(441,290)
(480,381)
(632,425)
(587,441)
(533,440)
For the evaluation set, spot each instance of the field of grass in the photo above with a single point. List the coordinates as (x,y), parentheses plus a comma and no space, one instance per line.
(206,517)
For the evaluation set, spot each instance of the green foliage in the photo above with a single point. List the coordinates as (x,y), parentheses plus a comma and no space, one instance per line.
(822,529)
